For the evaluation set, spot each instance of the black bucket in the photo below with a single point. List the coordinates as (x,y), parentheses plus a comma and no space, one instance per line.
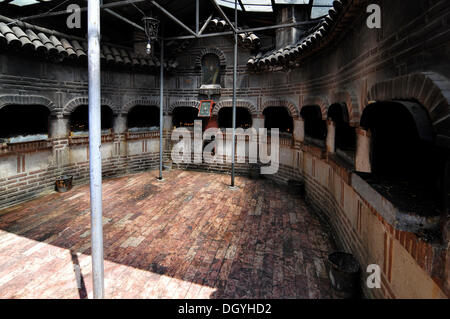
(254,171)
(296,187)
(344,274)
(64,183)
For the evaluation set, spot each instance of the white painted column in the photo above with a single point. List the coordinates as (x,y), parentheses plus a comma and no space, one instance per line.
(362,161)
(299,130)
(95,154)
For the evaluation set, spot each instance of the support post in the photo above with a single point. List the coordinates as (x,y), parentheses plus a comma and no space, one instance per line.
(197,16)
(233,147)
(95,156)
(161,108)
(445,222)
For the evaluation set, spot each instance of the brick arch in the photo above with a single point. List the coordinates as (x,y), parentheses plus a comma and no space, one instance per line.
(28,100)
(293,110)
(84,100)
(239,103)
(430,89)
(320,101)
(205,51)
(181,103)
(153,101)
(351,101)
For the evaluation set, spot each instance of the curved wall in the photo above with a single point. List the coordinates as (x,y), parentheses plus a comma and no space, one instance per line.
(407,59)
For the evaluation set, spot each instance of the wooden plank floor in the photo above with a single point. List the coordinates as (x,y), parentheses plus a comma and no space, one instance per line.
(187,237)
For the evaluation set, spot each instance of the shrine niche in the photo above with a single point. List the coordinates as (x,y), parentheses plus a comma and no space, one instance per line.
(211,75)
(210,69)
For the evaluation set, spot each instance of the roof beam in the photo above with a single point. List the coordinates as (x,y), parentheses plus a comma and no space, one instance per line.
(167,13)
(217,34)
(242,5)
(205,24)
(224,15)
(137,26)
(63,12)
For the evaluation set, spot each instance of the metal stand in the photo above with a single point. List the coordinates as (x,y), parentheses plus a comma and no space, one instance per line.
(95,155)
(161,108)
(233,147)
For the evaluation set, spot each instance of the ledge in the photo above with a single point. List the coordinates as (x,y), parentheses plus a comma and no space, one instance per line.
(25,147)
(81,140)
(141,135)
(404,221)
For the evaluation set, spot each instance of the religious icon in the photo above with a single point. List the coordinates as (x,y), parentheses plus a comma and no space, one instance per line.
(210,69)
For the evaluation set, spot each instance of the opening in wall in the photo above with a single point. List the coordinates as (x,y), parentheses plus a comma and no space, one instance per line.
(243,118)
(406,165)
(23,123)
(184,116)
(79,120)
(315,126)
(143,118)
(345,135)
(278,117)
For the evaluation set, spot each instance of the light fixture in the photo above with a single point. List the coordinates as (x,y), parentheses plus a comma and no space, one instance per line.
(151,26)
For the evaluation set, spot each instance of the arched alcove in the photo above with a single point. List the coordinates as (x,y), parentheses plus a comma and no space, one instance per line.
(315,126)
(345,136)
(24,123)
(79,120)
(278,117)
(243,118)
(143,118)
(184,116)
(406,165)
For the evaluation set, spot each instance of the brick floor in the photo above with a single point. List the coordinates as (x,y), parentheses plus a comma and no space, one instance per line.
(187,237)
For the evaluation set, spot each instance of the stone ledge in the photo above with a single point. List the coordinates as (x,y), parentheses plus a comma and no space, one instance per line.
(404,221)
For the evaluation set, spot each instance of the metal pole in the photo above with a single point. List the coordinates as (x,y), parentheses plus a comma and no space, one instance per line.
(161,107)
(205,25)
(95,156)
(64,12)
(197,16)
(214,3)
(219,34)
(233,154)
(171,16)
(137,26)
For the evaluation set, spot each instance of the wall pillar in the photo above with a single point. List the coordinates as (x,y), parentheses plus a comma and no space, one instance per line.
(299,130)
(120,128)
(59,127)
(167,123)
(120,123)
(258,122)
(362,161)
(331,137)
(59,131)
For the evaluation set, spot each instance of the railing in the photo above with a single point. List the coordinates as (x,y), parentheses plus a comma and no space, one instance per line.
(141,135)
(81,140)
(23,147)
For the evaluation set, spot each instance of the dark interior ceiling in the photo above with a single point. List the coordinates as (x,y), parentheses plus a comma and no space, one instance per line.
(117,31)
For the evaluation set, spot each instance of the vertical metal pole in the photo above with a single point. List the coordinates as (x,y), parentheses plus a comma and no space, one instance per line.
(197,16)
(233,153)
(95,156)
(445,203)
(161,108)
